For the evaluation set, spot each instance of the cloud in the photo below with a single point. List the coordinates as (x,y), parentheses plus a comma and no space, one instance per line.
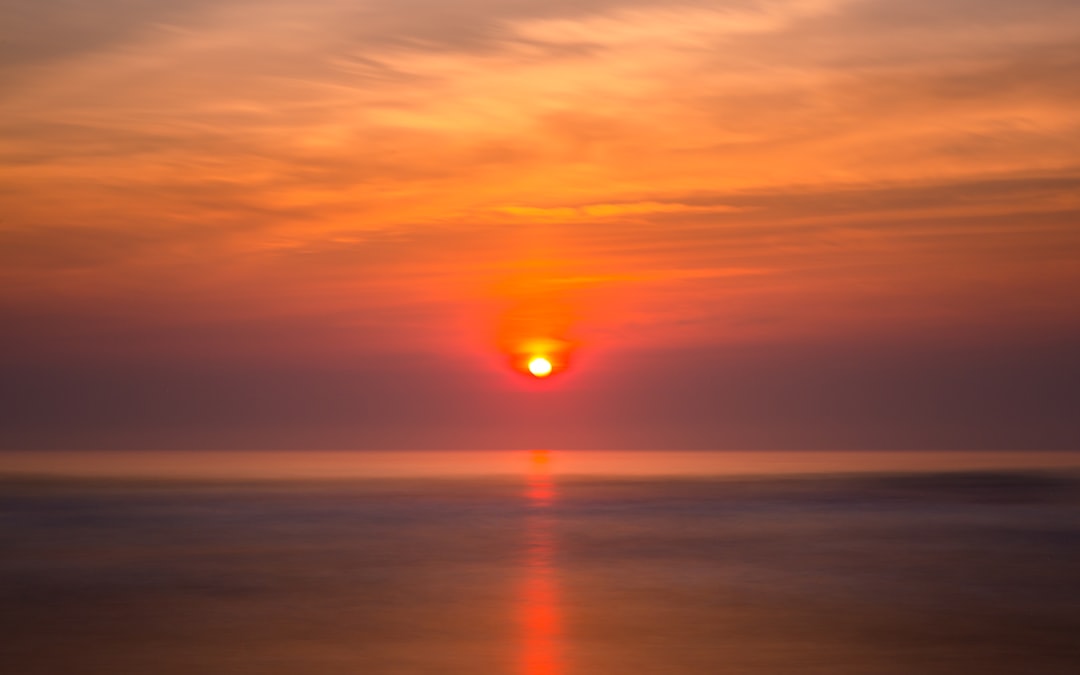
(619,210)
(725,169)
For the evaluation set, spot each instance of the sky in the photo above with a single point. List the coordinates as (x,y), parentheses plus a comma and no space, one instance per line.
(330,224)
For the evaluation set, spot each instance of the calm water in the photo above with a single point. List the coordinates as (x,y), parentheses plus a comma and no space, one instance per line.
(541,572)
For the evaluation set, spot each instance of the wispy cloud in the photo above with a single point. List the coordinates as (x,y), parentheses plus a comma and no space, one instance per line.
(885,163)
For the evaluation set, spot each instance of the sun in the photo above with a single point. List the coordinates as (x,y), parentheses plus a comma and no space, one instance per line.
(539,366)
(539,358)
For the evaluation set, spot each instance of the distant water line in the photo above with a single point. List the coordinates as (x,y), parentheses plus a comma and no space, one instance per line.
(364,465)
(540,617)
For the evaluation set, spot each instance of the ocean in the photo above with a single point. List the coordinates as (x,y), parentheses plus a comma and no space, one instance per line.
(540,563)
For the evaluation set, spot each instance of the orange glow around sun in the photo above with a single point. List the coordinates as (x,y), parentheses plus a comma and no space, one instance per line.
(533,334)
(540,357)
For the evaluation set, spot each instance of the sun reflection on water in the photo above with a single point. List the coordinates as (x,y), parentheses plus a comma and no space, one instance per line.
(541,621)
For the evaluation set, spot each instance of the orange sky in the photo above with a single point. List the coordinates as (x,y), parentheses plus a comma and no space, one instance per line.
(313,182)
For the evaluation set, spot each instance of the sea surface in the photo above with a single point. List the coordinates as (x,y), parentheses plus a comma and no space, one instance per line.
(540,563)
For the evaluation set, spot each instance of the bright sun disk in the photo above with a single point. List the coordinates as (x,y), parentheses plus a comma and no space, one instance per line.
(539,366)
